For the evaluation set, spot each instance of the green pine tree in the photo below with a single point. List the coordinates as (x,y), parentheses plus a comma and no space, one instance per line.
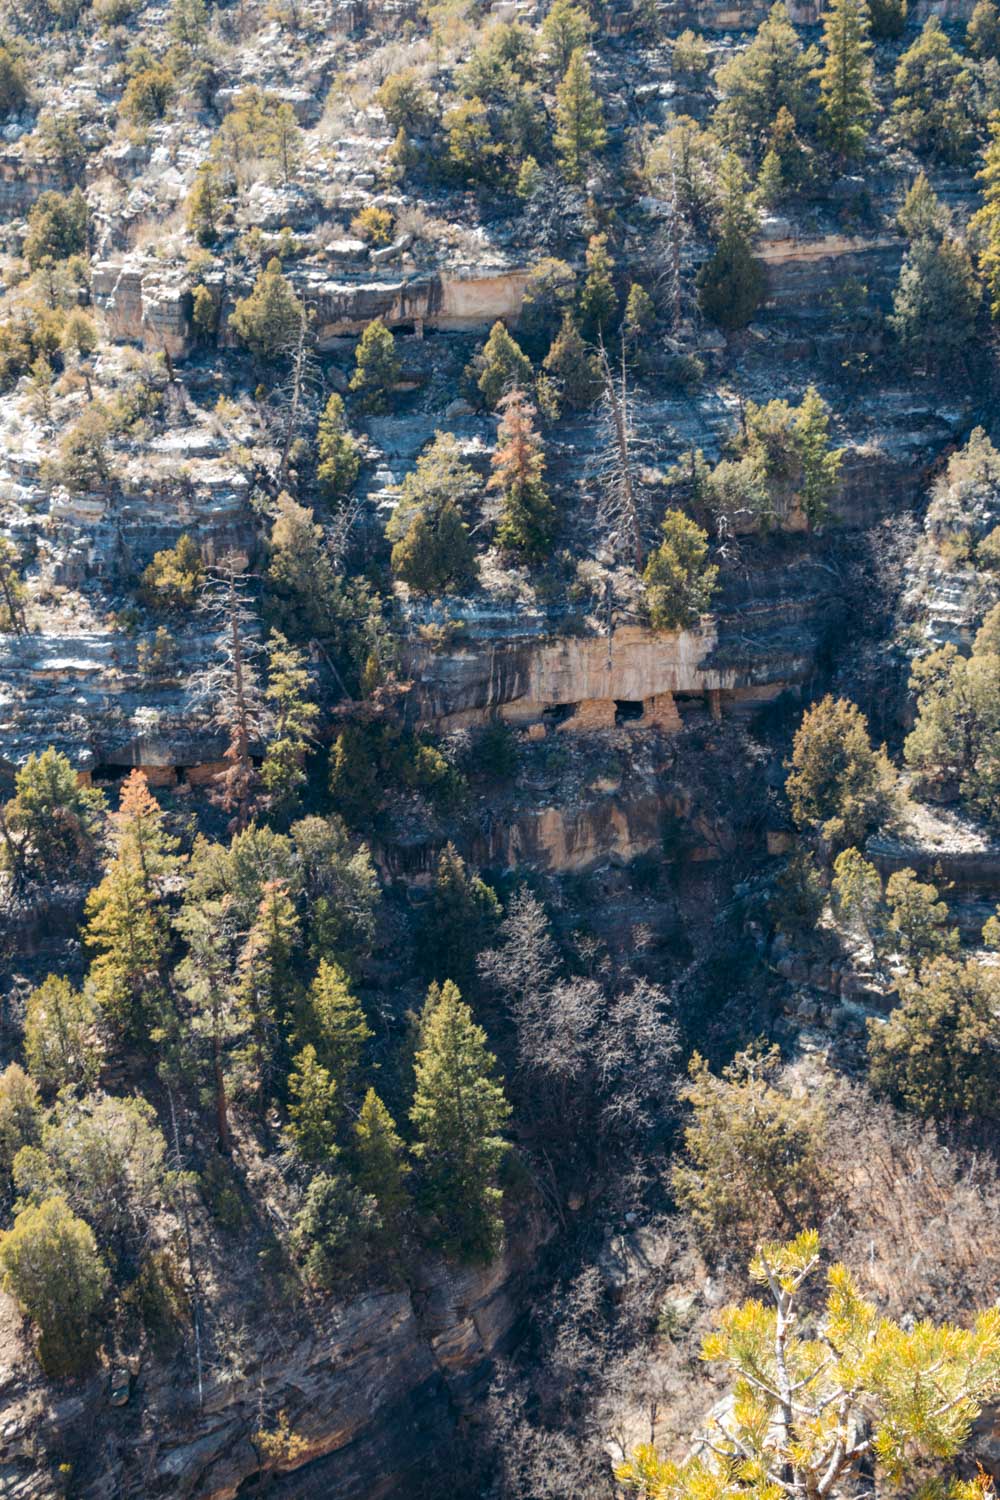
(731,284)
(461,916)
(288,686)
(376,369)
(313,1109)
(847,102)
(458,1113)
(380,1170)
(337,452)
(334,1022)
(598,301)
(505,366)
(580,132)
(269,320)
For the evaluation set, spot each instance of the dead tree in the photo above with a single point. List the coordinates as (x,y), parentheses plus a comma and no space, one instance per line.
(621,492)
(298,395)
(233,687)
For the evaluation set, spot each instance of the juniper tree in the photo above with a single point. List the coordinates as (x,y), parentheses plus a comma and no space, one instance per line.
(839,784)
(811,1415)
(62,1041)
(679,578)
(580,132)
(916,921)
(518,463)
(857,891)
(982,35)
(847,102)
(937,1054)
(20,1117)
(50,1264)
(459,1112)
(50,828)
(753,1149)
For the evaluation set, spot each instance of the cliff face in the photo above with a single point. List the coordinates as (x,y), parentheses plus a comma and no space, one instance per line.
(375,1388)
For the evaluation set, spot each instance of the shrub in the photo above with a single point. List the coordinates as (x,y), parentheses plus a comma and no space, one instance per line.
(377,367)
(50,1264)
(58,227)
(173,580)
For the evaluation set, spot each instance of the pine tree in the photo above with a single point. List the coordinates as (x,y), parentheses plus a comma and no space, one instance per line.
(772,74)
(518,461)
(51,825)
(923,215)
(679,578)
(864,1396)
(337,452)
(731,284)
(572,367)
(62,1044)
(380,1170)
(935,304)
(505,366)
(127,926)
(458,1114)
(313,1109)
(565,30)
(820,462)
(269,321)
(847,102)
(598,302)
(986,223)
(206,980)
(435,555)
(282,771)
(376,369)
(580,131)
(333,1020)
(266,987)
(982,35)
(461,916)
